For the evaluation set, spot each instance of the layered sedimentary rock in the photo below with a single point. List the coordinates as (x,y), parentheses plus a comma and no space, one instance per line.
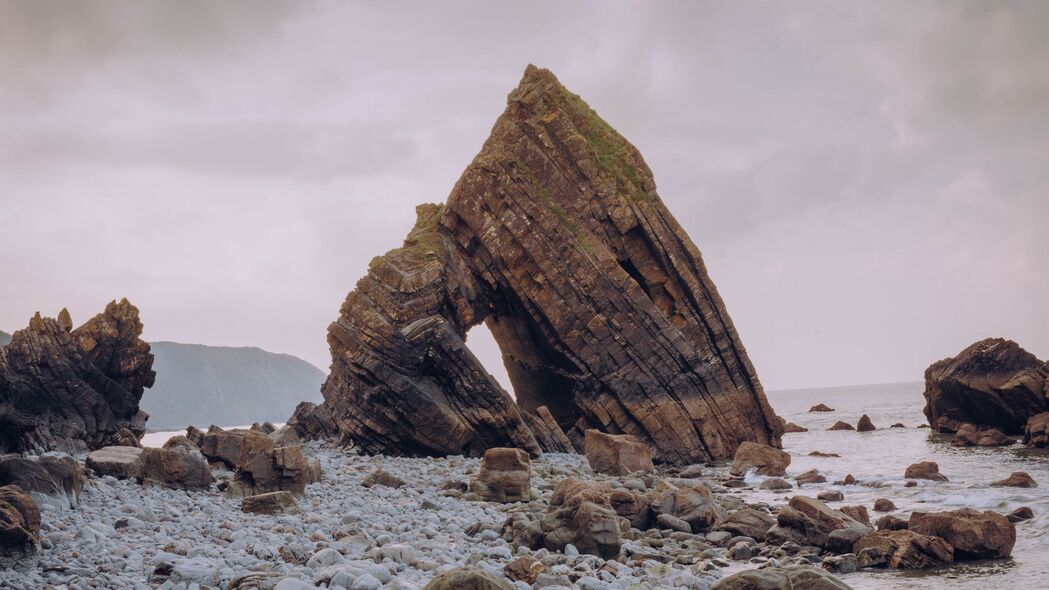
(556,239)
(991,384)
(71,390)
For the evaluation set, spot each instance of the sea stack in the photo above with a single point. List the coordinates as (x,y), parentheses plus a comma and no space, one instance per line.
(556,239)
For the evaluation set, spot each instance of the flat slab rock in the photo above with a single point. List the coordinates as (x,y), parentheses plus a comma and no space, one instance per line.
(556,238)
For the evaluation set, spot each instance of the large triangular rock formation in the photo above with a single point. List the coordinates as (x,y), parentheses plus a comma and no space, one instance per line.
(73,390)
(555,238)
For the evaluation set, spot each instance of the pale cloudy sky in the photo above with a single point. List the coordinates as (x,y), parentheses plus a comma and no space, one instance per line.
(868,182)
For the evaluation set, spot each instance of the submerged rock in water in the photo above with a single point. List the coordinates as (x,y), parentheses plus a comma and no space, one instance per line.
(556,239)
(821,408)
(924,470)
(865,424)
(841,425)
(88,396)
(1018,479)
(992,384)
(792,427)
(763,459)
(973,534)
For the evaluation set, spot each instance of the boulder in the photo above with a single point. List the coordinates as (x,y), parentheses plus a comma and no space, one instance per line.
(840,425)
(1020,514)
(788,578)
(865,424)
(195,435)
(1036,432)
(973,534)
(821,408)
(925,470)
(633,506)
(858,513)
(831,496)
(118,462)
(616,454)
(174,468)
(812,476)
(225,446)
(88,396)
(180,442)
(747,522)
(968,436)
(695,505)
(884,505)
(49,480)
(841,541)
(580,514)
(524,569)
(1018,479)
(270,503)
(19,528)
(468,579)
(764,459)
(902,549)
(776,483)
(992,384)
(808,521)
(505,476)
(890,523)
(792,427)
(263,468)
(603,309)
(381,477)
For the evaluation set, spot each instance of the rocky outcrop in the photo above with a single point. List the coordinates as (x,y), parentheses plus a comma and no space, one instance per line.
(763,459)
(54,481)
(505,476)
(1036,432)
(548,432)
(74,390)
(556,239)
(616,454)
(991,384)
(973,534)
(19,528)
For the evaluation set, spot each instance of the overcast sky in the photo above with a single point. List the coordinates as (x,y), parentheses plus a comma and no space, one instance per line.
(868,183)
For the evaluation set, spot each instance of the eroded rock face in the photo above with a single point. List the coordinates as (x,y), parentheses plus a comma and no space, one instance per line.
(991,384)
(19,528)
(556,238)
(89,395)
(55,481)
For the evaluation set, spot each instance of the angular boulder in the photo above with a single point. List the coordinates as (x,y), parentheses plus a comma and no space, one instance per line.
(764,459)
(1036,432)
(781,578)
(902,549)
(841,425)
(556,239)
(580,514)
(469,579)
(747,522)
(808,521)
(174,468)
(694,505)
(19,528)
(1018,479)
(118,462)
(88,396)
(865,424)
(505,476)
(616,454)
(270,503)
(992,384)
(924,470)
(973,534)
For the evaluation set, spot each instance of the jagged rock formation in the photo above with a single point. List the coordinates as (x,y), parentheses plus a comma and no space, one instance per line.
(556,239)
(4,338)
(202,385)
(72,390)
(991,384)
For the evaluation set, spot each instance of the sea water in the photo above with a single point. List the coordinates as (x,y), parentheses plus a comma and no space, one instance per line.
(883,455)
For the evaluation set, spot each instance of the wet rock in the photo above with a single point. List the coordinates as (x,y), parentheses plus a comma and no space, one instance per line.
(890,523)
(616,454)
(88,396)
(54,481)
(270,503)
(865,424)
(19,528)
(792,427)
(969,436)
(841,425)
(1018,479)
(822,454)
(381,477)
(821,408)
(1020,514)
(632,506)
(842,540)
(811,476)
(789,578)
(898,425)
(602,308)
(174,468)
(764,459)
(831,496)
(468,579)
(884,505)
(505,476)
(524,569)
(579,514)
(808,521)
(747,522)
(1036,432)
(903,549)
(180,442)
(121,462)
(924,470)
(973,534)
(858,513)
(993,384)
(776,483)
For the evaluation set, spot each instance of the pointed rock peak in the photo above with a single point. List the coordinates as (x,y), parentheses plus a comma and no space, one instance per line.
(65,320)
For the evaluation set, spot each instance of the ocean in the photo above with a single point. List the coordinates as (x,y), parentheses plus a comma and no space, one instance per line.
(884,454)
